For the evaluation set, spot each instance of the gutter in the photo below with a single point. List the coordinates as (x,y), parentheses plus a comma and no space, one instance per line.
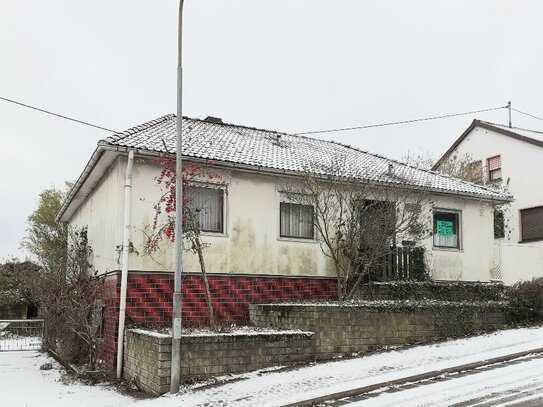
(124,266)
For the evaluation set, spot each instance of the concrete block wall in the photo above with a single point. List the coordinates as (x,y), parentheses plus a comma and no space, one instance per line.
(344,329)
(147,359)
(437,290)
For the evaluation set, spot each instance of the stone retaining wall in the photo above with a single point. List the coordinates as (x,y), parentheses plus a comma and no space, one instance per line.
(147,359)
(436,290)
(349,328)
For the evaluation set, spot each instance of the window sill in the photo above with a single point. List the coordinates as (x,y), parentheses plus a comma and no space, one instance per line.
(297,240)
(447,249)
(214,234)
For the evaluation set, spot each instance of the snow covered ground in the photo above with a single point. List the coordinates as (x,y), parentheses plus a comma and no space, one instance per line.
(272,388)
(23,384)
(511,384)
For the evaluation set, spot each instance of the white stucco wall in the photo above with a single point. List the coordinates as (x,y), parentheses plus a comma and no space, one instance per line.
(522,166)
(251,244)
(102,213)
(473,261)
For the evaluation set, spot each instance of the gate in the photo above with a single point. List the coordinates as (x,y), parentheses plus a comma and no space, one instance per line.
(403,263)
(21,334)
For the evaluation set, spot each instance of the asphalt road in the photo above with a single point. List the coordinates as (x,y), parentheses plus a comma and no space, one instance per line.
(516,383)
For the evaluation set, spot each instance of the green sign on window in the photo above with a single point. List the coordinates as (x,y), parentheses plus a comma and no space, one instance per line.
(445,227)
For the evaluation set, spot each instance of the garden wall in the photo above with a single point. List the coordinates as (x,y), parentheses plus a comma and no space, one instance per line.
(149,300)
(361,327)
(147,359)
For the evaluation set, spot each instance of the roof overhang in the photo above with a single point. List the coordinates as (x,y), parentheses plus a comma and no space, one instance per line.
(105,155)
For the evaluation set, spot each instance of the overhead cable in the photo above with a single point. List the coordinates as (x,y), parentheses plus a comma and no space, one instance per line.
(58,115)
(526,114)
(369,126)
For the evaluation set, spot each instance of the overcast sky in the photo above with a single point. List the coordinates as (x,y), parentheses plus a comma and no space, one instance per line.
(289,65)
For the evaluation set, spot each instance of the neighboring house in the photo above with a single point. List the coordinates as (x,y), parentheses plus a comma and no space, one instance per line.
(511,158)
(258,250)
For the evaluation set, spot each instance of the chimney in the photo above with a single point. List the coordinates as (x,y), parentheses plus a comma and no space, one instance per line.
(211,119)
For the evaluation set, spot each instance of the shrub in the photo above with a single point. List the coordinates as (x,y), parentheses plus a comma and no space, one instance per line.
(526,301)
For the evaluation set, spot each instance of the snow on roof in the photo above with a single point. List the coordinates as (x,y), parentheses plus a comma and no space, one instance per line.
(533,134)
(265,149)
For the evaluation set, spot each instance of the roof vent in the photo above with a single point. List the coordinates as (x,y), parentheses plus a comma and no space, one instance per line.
(212,119)
(390,169)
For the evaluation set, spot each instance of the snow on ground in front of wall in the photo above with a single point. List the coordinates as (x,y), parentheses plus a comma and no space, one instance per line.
(284,387)
(228,331)
(23,384)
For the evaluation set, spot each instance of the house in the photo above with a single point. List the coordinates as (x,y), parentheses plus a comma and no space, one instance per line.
(511,158)
(258,251)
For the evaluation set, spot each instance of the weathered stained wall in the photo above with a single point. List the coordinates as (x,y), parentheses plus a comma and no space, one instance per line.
(251,242)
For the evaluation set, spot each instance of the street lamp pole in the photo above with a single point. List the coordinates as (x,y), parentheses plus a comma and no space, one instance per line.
(177,295)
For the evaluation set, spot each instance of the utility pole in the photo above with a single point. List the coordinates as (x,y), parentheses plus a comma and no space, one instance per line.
(178,261)
(509,108)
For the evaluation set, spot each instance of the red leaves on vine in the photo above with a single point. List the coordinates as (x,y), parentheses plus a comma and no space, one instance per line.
(193,174)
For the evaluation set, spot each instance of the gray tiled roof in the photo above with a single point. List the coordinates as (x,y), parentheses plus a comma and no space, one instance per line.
(280,151)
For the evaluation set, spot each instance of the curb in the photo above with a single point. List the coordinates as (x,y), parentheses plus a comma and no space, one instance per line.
(414,378)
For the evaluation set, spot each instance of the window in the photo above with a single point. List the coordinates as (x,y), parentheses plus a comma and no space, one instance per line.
(494,168)
(447,229)
(499,224)
(206,206)
(296,220)
(531,224)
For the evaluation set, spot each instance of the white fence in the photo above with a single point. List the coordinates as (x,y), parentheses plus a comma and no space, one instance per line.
(21,334)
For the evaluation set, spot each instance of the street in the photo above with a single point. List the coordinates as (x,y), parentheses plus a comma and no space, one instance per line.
(515,383)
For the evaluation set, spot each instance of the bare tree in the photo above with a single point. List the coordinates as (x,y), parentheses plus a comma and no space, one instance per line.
(359,224)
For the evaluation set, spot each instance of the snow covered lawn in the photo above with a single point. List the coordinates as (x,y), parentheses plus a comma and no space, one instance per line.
(23,384)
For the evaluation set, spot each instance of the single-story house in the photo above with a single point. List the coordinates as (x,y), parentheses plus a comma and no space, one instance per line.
(256,252)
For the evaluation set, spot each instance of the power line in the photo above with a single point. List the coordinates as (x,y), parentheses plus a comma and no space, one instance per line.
(58,115)
(527,114)
(301,133)
(368,126)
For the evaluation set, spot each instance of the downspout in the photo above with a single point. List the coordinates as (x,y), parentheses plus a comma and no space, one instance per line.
(124,264)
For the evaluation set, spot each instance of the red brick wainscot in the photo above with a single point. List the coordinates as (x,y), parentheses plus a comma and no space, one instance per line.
(149,300)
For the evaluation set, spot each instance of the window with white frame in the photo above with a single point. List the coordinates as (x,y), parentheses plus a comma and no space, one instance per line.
(296,220)
(206,205)
(494,168)
(447,229)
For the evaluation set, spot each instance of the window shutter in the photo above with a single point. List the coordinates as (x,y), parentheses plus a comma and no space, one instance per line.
(532,223)
(494,163)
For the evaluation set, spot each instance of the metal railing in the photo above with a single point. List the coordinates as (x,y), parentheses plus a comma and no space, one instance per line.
(21,334)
